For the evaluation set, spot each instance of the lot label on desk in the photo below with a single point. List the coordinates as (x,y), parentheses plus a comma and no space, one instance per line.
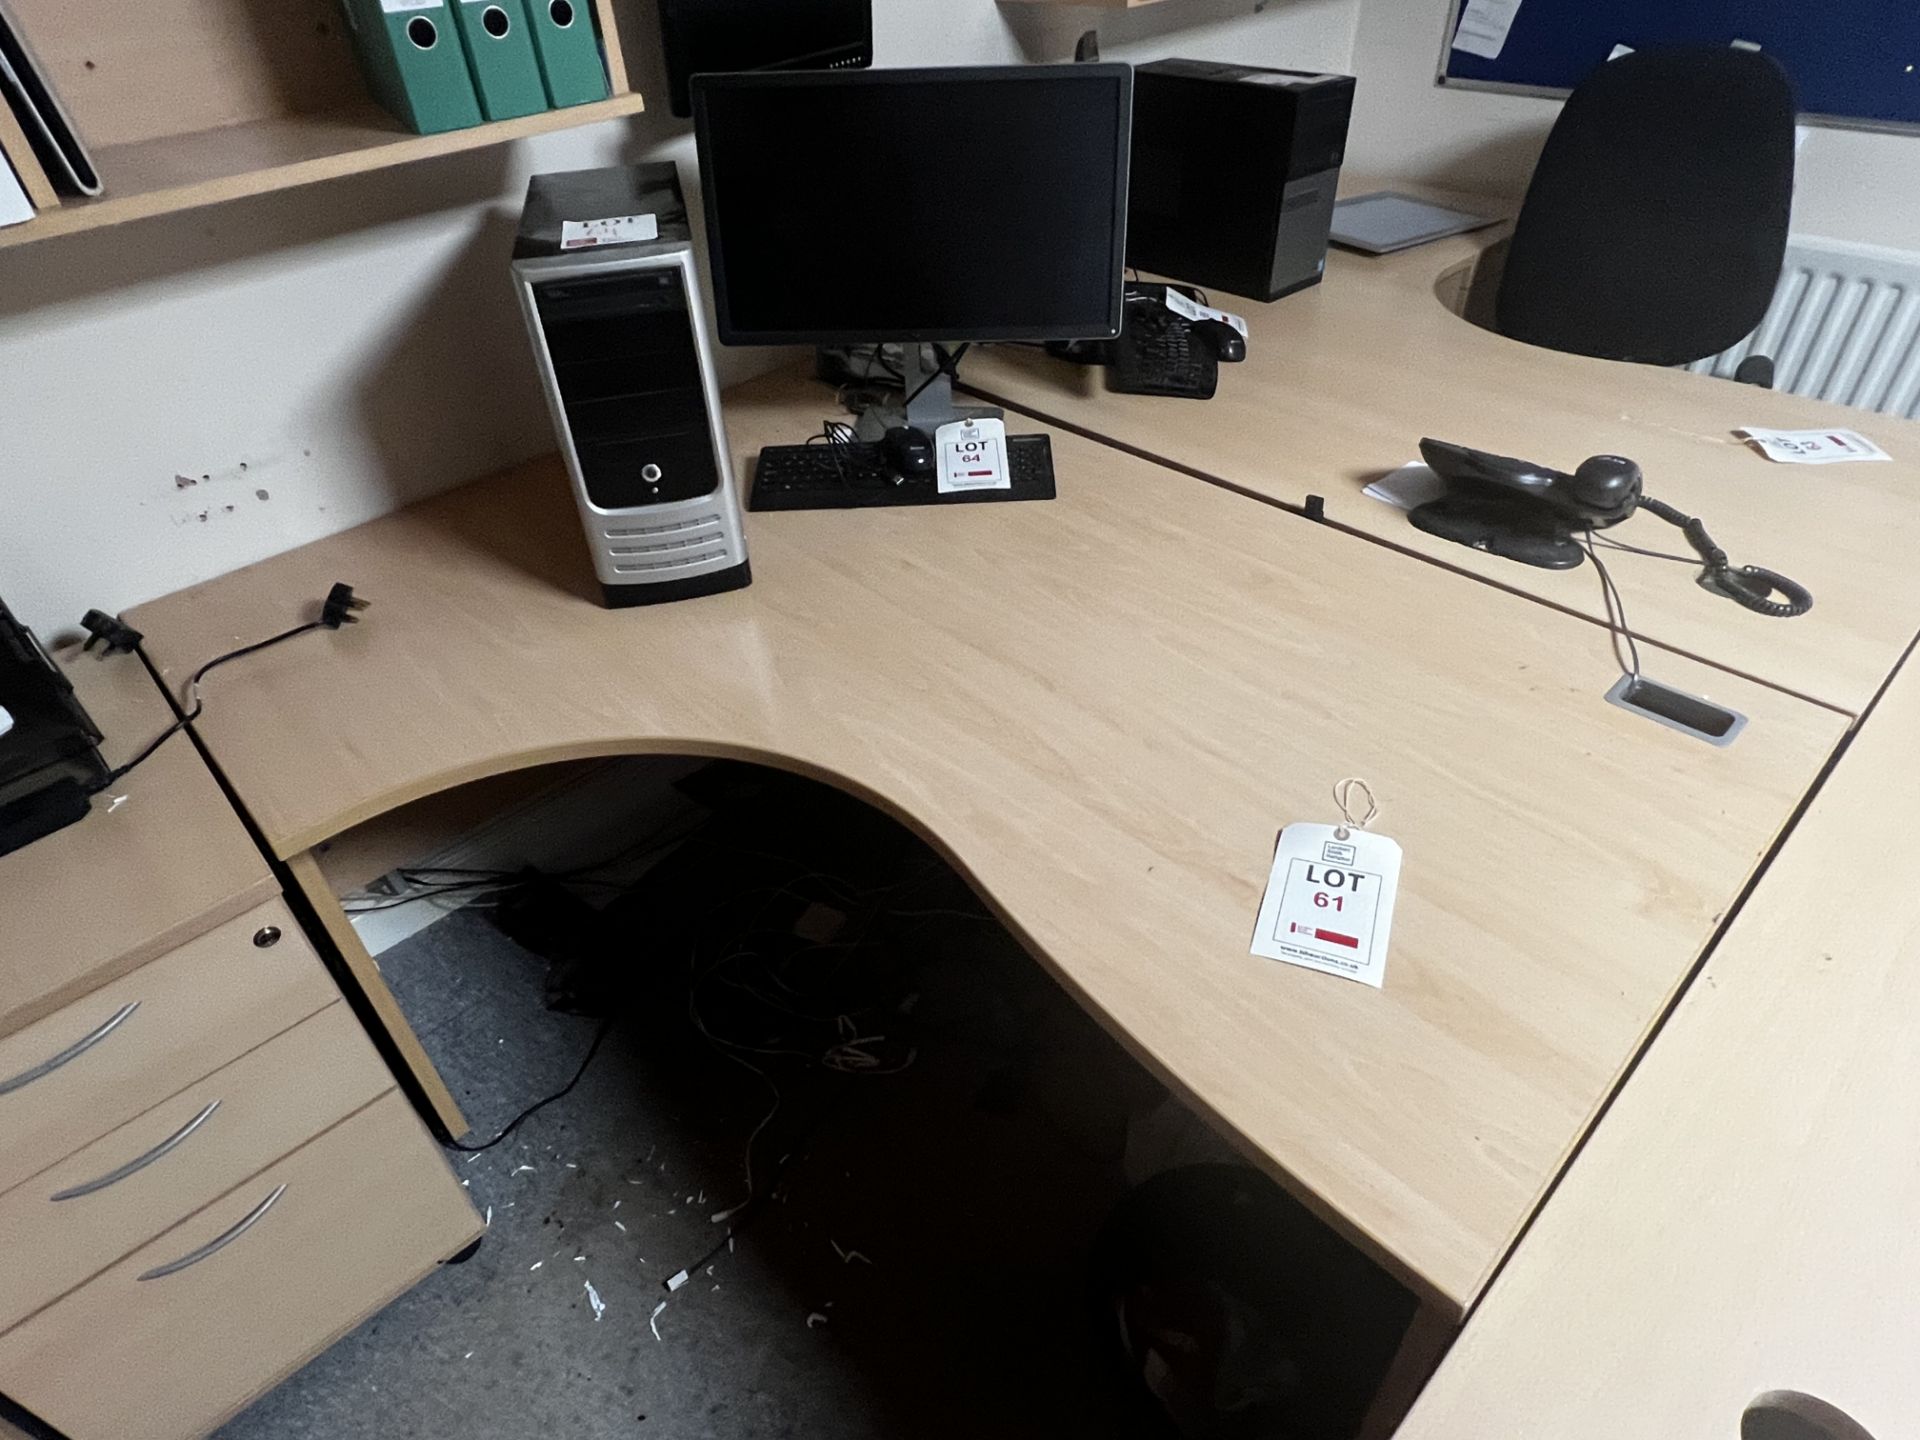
(1813,447)
(973,456)
(1329,902)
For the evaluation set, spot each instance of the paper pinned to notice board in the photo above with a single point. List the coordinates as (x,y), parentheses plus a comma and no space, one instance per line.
(1483,27)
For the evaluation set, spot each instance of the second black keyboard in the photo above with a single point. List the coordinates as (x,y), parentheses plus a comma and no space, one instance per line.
(1157,354)
(852,476)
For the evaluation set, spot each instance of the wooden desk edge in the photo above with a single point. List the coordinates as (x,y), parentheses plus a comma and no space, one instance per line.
(306,870)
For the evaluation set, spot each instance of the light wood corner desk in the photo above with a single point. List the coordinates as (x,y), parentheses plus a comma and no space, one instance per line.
(1102,708)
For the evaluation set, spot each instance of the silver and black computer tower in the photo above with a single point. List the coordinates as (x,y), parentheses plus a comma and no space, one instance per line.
(605,272)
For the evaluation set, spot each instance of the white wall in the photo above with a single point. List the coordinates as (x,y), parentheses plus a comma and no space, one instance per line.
(344,348)
(1852,185)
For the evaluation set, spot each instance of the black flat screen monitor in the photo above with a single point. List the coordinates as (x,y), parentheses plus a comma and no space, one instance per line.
(698,36)
(916,205)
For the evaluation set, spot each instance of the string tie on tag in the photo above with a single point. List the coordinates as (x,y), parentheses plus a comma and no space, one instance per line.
(1343,797)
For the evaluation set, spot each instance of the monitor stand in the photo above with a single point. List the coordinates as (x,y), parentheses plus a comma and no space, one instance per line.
(931,408)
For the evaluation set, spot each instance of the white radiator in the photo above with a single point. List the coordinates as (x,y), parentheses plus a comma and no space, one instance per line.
(1844,326)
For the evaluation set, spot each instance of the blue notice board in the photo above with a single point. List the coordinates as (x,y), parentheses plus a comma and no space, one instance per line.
(1855,62)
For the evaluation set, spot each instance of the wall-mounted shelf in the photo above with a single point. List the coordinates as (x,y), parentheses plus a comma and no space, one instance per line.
(186,103)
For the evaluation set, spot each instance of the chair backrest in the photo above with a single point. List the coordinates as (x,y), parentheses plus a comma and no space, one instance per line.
(1656,223)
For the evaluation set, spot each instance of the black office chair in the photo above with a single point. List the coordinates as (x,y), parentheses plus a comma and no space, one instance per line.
(1656,223)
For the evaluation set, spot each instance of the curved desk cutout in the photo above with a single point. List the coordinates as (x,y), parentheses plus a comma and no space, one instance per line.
(1101,709)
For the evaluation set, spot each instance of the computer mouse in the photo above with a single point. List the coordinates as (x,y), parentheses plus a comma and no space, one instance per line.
(1228,343)
(908,451)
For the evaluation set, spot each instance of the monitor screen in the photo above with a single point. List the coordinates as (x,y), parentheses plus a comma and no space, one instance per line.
(699,36)
(928,205)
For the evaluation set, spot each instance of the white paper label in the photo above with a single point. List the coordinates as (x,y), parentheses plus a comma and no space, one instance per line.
(613,230)
(14,205)
(394,7)
(1813,447)
(1329,902)
(1483,27)
(1413,484)
(1618,51)
(1193,310)
(973,456)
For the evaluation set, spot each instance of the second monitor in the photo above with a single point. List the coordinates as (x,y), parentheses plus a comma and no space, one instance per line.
(916,206)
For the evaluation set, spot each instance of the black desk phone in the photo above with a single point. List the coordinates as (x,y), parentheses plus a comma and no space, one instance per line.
(1541,516)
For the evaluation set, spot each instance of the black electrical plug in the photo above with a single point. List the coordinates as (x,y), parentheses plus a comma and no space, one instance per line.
(339,607)
(118,636)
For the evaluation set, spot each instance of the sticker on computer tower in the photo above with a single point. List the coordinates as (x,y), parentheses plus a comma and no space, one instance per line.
(612,230)
(973,456)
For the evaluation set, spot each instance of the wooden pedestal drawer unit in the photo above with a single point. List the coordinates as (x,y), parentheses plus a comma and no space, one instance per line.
(113,1054)
(186,1330)
(71,1221)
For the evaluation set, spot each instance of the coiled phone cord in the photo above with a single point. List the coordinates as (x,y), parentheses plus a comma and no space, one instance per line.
(1751,586)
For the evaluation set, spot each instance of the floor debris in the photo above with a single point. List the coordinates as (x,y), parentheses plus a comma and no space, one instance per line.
(536,1265)
(815,1319)
(593,1299)
(618,1226)
(847,1257)
(654,1317)
(676,1281)
(518,1170)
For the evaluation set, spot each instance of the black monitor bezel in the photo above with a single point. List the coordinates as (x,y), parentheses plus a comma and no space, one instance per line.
(1120,76)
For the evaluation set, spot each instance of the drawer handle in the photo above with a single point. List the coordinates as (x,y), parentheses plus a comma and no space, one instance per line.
(72,1052)
(219,1242)
(140,1162)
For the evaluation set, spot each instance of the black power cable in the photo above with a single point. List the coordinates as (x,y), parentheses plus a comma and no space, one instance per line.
(599,1039)
(336,610)
(193,690)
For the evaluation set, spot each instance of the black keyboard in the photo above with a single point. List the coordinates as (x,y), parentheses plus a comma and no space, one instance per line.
(1156,354)
(841,476)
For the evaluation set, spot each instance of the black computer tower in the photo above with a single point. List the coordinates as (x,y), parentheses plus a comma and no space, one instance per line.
(700,37)
(1234,174)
